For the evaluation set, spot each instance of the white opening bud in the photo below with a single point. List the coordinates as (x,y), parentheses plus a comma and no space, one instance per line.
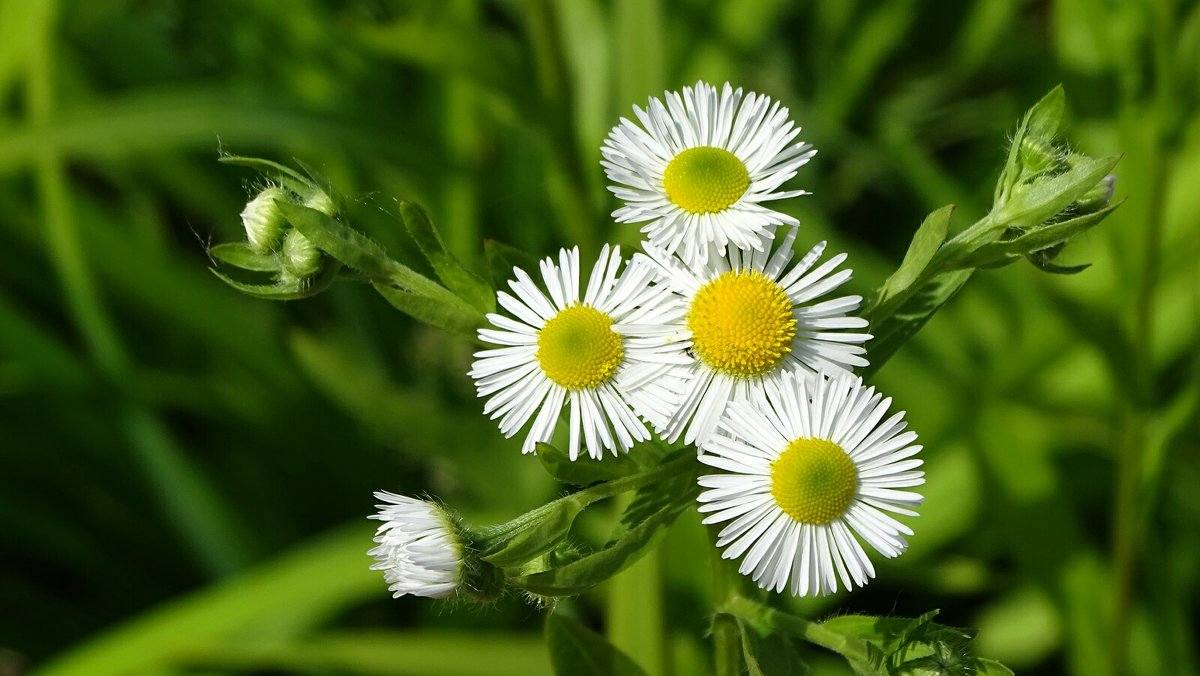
(263,220)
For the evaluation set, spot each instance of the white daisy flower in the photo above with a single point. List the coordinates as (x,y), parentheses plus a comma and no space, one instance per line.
(420,551)
(699,168)
(605,356)
(809,464)
(748,318)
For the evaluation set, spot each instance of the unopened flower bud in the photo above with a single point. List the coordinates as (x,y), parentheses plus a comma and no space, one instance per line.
(264,221)
(421,549)
(1097,198)
(301,259)
(1040,156)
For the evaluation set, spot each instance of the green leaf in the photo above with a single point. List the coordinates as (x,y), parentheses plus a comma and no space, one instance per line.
(434,306)
(340,241)
(589,571)
(239,254)
(373,652)
(293,291)
(986,667)
(925,244)
(1032,204)
(502,258)
(748,655)
(584,470)
(449,269)
(650,500)
(897,328)
(576,650)
(548,526)
(279,598)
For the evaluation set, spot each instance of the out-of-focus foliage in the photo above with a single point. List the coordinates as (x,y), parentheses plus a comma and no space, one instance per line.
(184,471)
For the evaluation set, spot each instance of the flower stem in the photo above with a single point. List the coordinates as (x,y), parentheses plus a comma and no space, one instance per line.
(727,641)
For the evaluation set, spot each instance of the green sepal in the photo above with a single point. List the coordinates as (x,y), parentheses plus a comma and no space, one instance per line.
(469,286)
(240,255)
(1045,117)
(547,527)
(1041,122)
(925,244)
(292,291)
(896,328)
(502,258)
(589,571)
(585,470)
(576,650)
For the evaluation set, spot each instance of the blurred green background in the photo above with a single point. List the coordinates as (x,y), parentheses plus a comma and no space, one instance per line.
(185,472)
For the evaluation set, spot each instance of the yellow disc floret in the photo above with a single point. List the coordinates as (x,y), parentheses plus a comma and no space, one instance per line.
(813,481)
(705,180)
(741,323)
(578,348)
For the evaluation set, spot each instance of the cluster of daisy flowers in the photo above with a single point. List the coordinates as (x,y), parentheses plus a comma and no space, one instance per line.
(714,334)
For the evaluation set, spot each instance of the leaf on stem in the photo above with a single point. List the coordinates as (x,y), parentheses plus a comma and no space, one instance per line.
(469,286)
(576,650)
(925,244)
(584,471)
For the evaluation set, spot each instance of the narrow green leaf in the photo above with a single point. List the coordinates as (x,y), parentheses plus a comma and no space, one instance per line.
(748,655)
(434,306)
(899,326)
(340,241)
(986,667)
(580,576)
(576,650)
(925,244)
(469,286)
(239,254)
(295,291)
(374,652)
(551,526)
(282,597)
(585,470)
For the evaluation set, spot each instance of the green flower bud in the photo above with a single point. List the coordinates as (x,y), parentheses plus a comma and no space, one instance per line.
(1040,156)
(300,259)
(263,220)
(1097,198)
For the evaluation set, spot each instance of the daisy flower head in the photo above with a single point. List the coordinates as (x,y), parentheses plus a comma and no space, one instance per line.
(699,167)
(603,355)
(809,467)
(419,549)
(747,318)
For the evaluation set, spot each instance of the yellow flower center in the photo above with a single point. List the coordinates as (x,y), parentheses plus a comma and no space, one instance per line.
(742,323)
(578,349)
(705,180)
(813,481)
